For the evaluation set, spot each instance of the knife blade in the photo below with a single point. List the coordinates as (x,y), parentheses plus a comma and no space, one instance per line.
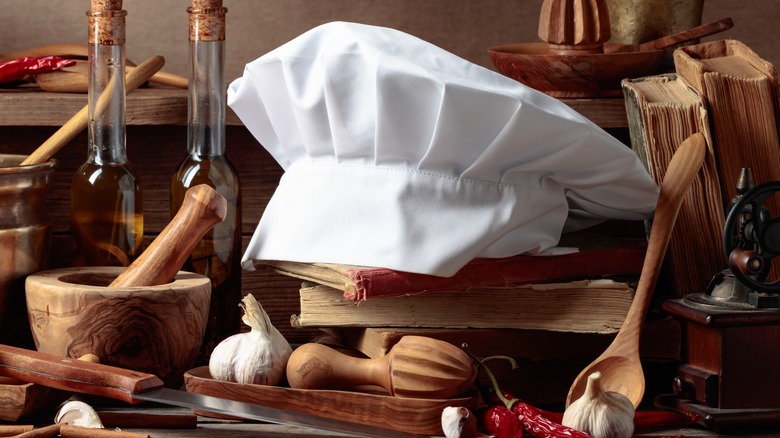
(135,387)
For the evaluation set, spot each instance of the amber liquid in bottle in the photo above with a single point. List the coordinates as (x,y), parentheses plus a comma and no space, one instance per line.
(106,198)
(218,254)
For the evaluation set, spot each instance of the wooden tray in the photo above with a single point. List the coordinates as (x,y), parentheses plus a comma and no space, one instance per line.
(412,415)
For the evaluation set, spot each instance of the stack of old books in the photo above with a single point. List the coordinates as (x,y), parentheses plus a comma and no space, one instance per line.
(726,91)
(552,314)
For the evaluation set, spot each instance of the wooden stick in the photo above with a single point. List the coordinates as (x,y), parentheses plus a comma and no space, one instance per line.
(68,431)
(111,419)
(43,432)
(13,430)
(78,122)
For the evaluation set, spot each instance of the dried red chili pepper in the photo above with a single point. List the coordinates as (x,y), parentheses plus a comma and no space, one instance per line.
(515,417)
(509,417)
(16,69)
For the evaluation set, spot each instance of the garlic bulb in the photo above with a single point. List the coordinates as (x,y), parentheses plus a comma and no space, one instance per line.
(600,413)
(78,413)
(458,422)
(258,356)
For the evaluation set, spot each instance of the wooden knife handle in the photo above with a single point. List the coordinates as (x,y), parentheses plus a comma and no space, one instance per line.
(201,209)
(74,375)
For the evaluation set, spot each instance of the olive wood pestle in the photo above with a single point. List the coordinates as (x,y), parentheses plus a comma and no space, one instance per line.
(201,209)
(416,367)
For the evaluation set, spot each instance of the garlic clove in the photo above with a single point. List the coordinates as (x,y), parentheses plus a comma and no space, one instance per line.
(600,413)
(458,422)
(77,413)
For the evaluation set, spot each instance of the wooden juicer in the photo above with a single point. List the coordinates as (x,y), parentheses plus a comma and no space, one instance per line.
(731,375)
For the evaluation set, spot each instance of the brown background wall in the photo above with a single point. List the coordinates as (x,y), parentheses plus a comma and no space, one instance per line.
(465,27)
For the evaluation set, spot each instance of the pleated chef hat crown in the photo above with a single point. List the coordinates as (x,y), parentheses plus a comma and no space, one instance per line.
(402,155)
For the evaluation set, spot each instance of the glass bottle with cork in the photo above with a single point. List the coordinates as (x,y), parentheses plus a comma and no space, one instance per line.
(218,254)
(106,198)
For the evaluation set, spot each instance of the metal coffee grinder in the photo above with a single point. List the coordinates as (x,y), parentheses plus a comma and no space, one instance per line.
(731,374)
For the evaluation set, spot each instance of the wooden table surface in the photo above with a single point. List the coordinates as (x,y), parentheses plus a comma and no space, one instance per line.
(219,428)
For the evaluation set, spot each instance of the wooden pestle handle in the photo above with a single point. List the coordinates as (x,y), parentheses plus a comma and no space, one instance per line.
(316,366)
(416,367)
(78,122)
(201,209)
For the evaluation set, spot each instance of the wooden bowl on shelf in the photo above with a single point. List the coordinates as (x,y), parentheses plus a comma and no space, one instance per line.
(573,75)
(153,329)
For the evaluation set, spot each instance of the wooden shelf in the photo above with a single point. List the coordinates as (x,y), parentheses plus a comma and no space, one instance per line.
(168,106)
(145,106)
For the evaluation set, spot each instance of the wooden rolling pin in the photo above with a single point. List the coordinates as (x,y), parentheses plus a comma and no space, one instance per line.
(416,367)
(201,209)
(78,122)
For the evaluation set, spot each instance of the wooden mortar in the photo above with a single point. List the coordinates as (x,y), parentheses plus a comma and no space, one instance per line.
(148,317)
(154,329)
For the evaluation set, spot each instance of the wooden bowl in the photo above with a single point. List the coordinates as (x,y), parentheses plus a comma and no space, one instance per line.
(573,75)
(153,329)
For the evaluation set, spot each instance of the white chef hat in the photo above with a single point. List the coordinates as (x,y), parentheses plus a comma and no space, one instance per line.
(401,155)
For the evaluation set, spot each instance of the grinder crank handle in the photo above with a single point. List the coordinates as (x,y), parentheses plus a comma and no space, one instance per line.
(201,209)
(75,375)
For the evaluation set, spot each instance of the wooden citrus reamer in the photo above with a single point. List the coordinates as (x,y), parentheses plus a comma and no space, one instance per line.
(416,367)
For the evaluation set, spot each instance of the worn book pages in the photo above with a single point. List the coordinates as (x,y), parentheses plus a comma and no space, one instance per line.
(662,112)
(740,92)
(586,306)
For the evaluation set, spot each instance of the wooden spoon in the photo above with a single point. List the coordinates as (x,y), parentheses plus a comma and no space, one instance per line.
(676,38)
(201,209)
(74,79)
(619,364)
(416,367)
(78,122)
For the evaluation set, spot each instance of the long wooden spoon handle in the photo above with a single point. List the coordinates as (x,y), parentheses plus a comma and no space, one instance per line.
(78,122)
(201,209)
(683,167)
(689,34)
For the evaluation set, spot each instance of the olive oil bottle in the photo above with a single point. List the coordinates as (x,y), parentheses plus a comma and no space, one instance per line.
(106,198)
(218,254)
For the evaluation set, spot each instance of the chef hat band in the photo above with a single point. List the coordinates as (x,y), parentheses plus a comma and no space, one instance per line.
(401,155)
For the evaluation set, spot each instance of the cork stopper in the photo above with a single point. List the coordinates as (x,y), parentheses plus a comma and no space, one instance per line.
(207,20)
(206,4)
(107,23)
(106,5)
